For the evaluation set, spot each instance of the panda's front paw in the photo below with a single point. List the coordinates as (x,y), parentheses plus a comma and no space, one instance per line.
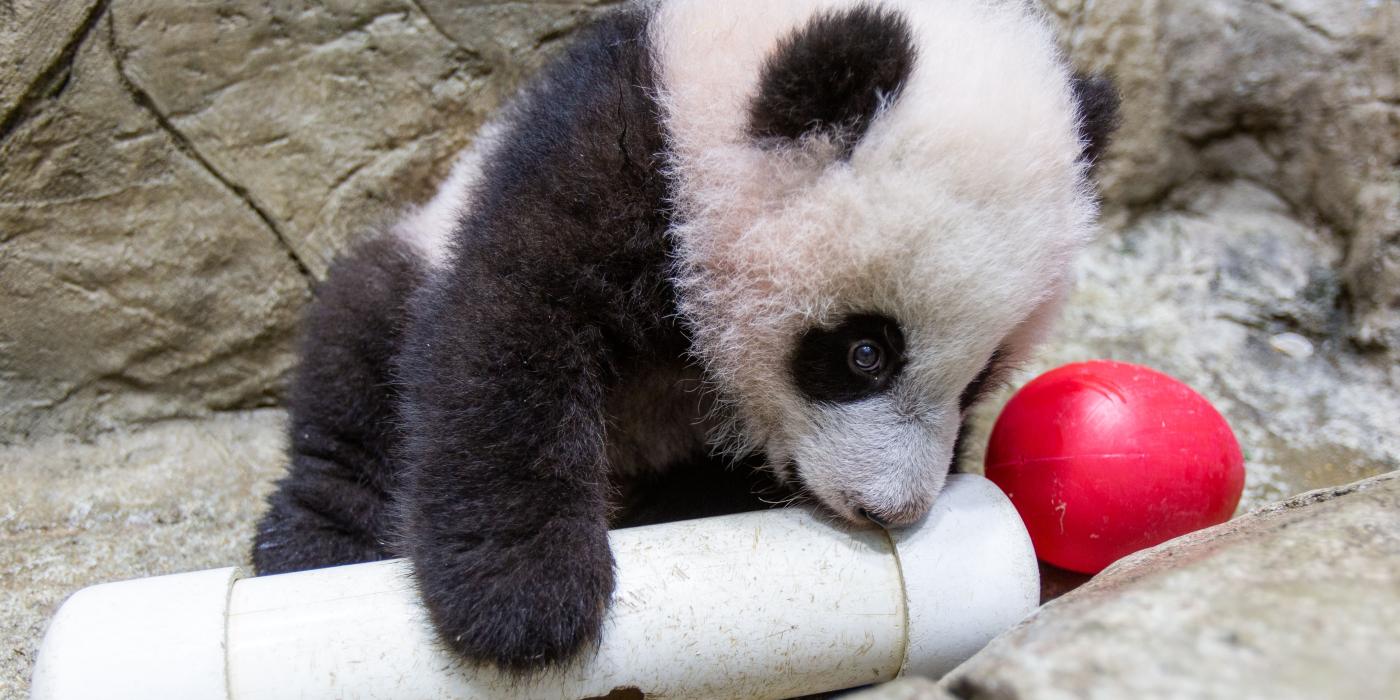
(520,605)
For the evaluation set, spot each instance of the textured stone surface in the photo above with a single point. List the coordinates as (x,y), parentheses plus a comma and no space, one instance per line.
(173,496)
(26,64)
(1300,599)
(336,117)
(176,175)
(136,284)
(1300,95)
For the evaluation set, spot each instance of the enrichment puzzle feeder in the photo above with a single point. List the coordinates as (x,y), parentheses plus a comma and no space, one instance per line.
(769,604)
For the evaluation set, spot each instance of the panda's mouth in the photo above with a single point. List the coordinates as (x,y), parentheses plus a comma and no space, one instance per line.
(845,507)
(845,504)
(852,507)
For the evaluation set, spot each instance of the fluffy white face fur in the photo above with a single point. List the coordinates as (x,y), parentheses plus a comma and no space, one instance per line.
(956,215)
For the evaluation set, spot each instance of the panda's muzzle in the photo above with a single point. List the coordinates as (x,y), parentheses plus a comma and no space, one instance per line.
(872,517)
(904,516)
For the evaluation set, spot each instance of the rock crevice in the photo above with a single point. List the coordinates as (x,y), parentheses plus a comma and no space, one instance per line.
(144,100)
(50,76)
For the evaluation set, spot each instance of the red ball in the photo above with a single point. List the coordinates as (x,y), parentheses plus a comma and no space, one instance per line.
(1105,458)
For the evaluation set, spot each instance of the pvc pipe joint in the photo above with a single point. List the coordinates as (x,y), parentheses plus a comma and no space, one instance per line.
(769,604)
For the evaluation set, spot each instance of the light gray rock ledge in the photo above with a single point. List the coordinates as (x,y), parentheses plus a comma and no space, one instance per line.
(172,496)
(1298,599)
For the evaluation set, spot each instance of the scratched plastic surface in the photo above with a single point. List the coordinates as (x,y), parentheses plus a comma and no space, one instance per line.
(1103,459)
(755,605)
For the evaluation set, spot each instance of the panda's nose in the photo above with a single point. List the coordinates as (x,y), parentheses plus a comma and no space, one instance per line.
(864,513)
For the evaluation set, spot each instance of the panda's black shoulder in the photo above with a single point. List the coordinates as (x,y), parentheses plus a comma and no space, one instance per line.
(569,215)
(566,114)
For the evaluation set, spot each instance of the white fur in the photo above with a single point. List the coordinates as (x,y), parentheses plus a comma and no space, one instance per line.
(427,229)
(957,215)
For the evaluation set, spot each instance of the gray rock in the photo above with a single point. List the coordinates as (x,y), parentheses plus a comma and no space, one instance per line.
(137,284)
(1301,96)
(176,175)
(175,496)
(26,65)
(1300,599)
(332,120)
(1200,290)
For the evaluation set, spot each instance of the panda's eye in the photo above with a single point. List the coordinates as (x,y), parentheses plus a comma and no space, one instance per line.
(856,359)
(866,356)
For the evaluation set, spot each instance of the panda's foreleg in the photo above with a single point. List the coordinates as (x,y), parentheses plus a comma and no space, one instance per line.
(332,507)
(504,499)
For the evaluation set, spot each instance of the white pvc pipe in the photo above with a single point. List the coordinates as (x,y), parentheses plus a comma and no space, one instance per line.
(770,604)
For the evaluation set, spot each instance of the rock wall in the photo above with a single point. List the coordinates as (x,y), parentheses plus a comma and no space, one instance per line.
(177,175)
(1299,95)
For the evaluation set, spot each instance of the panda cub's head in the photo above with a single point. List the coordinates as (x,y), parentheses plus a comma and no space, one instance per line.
(877,206)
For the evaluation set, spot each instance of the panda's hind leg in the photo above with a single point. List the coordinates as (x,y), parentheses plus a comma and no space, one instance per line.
(333,506)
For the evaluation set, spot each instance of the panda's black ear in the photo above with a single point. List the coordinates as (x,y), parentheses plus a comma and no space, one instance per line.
(1096,98)
(832,76)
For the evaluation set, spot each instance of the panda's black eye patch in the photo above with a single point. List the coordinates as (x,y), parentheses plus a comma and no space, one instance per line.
(856,359)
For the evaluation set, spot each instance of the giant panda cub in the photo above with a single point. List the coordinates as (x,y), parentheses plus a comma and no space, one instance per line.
(718,240)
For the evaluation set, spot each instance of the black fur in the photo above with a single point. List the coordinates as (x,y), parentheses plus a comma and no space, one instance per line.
(987,380)
(1098,102)
(332,508)
(820,365)
(832,76)
(698,489)
(560,288)
(559,297)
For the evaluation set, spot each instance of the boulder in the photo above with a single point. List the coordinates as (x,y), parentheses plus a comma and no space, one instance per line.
(177,176)
(1299,599)
(1301,96)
